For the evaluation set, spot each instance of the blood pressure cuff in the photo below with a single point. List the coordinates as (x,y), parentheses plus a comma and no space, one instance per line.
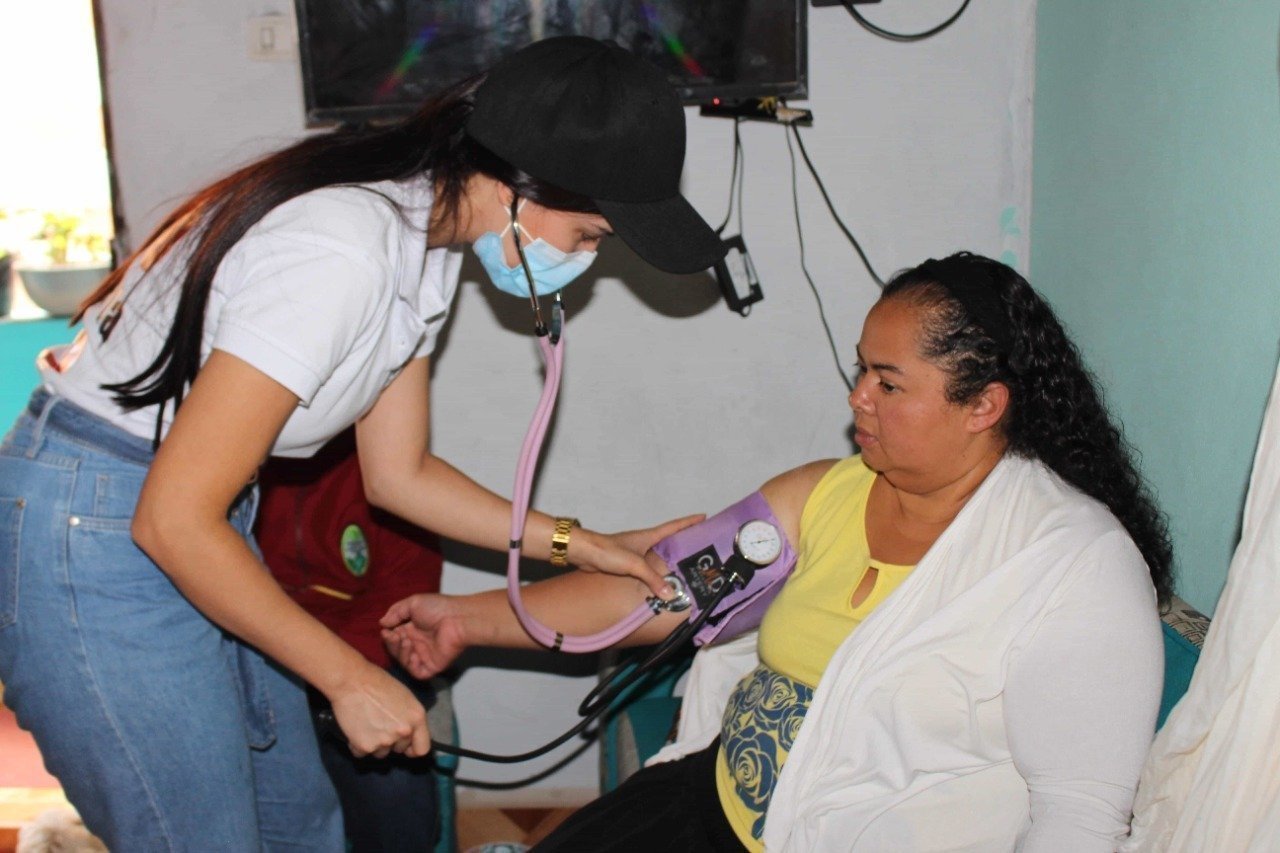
(697,554)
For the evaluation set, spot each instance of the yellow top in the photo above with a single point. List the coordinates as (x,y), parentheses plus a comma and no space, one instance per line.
(804,625)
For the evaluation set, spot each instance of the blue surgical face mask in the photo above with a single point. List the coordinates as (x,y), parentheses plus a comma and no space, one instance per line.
(552,268)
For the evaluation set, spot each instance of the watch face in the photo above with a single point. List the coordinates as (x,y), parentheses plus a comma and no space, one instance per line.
(759,541)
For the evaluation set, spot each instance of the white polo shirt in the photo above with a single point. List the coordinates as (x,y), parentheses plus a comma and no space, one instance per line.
(330,294)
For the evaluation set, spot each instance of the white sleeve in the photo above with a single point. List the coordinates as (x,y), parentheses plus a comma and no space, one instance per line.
(1081,701)
(439,288)
(297,296)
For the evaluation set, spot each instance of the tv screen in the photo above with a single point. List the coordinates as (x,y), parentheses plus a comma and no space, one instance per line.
(366,60)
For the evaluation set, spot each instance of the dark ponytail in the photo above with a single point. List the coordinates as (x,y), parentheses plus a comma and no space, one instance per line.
(434,139)
(1056,412)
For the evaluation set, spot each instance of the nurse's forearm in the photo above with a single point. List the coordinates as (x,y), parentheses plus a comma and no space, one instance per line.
(441,498)
(402,476)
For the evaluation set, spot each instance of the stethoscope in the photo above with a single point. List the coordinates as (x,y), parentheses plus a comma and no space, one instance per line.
(551,345)
(737,572)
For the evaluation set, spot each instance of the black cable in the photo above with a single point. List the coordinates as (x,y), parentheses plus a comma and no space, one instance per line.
(795,131)
(905,37)
(599,700)
(740,155)
(734,183)
(822,314)
(617,682)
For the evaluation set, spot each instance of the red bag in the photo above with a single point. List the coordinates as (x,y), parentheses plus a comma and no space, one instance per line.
(343,560)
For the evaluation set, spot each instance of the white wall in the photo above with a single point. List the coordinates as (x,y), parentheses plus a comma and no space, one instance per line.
(671,404)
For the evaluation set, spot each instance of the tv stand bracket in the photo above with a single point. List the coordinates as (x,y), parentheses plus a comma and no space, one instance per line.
(758,109)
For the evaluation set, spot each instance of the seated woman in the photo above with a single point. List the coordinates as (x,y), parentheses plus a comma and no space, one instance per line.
(968,653)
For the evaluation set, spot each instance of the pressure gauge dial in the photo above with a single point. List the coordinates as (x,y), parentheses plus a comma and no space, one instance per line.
(759,542)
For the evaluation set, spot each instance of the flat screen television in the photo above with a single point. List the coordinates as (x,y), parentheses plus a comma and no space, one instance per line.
(368,60)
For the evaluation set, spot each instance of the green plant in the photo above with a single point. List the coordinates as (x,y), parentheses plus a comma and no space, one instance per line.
(62,232)
(56,233)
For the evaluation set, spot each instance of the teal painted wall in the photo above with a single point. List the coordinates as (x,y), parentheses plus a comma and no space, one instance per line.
(20,343)
(1155,232)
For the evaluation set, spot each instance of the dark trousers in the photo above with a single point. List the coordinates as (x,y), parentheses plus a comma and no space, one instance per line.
(670,808)
(388,804)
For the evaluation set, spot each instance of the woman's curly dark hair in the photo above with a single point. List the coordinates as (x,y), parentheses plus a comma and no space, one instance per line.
(1056,412)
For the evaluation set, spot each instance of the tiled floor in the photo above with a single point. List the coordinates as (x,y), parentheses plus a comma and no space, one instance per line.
(525,826)
(476,827)
(26,790)
(19,806)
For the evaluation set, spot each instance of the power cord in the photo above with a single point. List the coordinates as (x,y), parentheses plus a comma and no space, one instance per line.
(822,313)
(904,37)
(737,177)
(738,180)
(853,241)
(735,274)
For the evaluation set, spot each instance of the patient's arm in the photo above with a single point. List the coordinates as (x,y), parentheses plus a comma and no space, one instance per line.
(427,632)
(1081,701)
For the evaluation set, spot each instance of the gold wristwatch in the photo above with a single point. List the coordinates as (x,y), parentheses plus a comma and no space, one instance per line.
(560,541)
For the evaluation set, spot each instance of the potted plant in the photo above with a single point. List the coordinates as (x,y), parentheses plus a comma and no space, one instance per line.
(6,269)
(77,257)
(6,289)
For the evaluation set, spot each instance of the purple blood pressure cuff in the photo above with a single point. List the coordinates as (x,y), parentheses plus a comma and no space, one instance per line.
(698,554)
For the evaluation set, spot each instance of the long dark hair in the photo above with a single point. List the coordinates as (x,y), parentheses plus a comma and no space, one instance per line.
(433,140)
(1056,412)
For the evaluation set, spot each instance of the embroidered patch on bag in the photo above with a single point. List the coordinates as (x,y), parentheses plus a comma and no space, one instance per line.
(354,549)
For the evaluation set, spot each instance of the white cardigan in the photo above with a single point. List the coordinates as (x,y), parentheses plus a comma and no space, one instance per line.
(1002,698)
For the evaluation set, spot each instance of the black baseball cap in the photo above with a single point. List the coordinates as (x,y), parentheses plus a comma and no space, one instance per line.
(599,121)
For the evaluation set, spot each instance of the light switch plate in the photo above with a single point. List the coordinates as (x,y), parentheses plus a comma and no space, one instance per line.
(272,38)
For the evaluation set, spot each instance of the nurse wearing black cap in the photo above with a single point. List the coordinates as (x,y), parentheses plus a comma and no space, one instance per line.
(141,639)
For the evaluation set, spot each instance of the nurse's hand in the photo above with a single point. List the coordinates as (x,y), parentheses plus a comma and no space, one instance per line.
(624,553)
(425,633)
(379,716)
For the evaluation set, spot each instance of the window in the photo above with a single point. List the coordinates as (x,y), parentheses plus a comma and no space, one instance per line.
(55,196)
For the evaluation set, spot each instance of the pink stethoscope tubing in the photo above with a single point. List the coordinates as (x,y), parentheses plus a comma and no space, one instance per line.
(553,357)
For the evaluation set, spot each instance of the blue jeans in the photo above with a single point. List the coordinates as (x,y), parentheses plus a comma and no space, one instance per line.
(165,732)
